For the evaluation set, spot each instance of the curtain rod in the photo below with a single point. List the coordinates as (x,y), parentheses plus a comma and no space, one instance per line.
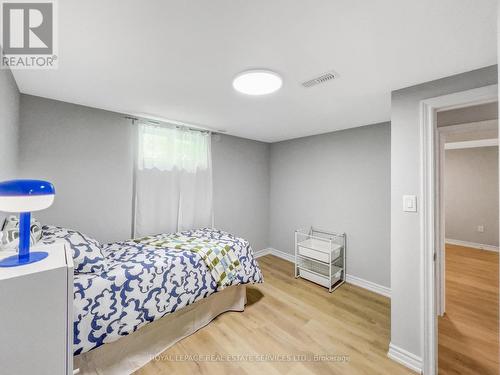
(166,123)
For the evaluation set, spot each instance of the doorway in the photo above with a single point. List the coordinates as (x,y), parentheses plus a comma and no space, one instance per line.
(432,235)
(467,266)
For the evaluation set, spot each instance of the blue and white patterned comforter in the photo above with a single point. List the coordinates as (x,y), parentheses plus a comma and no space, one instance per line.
(144,283)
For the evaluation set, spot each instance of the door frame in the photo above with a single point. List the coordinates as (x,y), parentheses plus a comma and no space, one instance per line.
(431,223)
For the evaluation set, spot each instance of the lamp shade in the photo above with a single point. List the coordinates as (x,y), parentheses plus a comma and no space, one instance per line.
(25,195)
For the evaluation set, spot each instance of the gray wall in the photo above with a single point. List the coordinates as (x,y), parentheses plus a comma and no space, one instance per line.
(338,181)
(241,188)
(475,113)
(471,194)
(405,179)
(9,128)
(87,154)
(9,124)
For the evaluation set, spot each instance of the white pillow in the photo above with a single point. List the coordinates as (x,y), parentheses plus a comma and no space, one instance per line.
(9,238)
(87,255)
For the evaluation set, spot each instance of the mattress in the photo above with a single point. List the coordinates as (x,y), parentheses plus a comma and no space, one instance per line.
(144,283)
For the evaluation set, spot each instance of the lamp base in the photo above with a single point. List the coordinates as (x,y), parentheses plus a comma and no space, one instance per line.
(15,260)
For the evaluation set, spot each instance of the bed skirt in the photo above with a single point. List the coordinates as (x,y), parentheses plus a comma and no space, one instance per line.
(131,352)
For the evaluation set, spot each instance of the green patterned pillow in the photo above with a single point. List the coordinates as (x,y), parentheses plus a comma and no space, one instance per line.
(9,236)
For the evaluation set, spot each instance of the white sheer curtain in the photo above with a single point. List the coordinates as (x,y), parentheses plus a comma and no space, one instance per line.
(173,180)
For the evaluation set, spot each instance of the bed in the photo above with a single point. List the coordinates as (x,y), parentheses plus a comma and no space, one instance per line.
(143,283)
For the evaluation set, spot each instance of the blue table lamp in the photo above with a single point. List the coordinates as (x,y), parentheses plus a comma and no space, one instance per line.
(25,196)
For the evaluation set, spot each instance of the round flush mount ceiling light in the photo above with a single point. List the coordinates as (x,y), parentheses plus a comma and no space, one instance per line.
(257,82)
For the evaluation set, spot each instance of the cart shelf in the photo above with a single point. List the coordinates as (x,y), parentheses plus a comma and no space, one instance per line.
(320,257)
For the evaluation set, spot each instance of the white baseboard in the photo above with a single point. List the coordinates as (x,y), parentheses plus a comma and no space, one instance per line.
(261,253)
(282,254)
(405,358)
(474,245)
(365,284)
(362,283)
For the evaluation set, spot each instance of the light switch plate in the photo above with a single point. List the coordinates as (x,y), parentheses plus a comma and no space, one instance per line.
(409,203)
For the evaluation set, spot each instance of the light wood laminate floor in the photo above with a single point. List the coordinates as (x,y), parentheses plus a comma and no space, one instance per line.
(287,316)
(468,333)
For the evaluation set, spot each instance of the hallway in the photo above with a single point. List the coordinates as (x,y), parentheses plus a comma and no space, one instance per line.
(468,333)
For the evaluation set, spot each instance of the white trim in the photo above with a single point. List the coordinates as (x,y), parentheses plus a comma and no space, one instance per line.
(481,95)
(354,280)
(440,224)
(261,253)
(371,286)
(427,237)
(474,245)
(428,240)
(278,253)
(471,144)
(405,358)
(283,255)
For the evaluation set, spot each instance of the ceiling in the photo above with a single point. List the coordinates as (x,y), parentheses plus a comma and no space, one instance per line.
(176,59)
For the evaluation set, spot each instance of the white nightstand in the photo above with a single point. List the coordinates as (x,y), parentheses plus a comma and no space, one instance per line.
(36,315)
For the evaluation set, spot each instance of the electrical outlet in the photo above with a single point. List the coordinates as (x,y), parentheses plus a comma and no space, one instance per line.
(480,228)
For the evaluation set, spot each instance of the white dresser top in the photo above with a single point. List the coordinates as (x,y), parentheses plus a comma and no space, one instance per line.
(56,259)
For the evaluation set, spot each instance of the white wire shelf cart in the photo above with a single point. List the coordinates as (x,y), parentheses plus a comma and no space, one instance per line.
(320,257)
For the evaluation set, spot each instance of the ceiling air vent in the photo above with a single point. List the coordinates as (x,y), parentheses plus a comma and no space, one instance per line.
(325,77)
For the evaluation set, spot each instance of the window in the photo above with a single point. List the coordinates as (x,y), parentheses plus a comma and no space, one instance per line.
(167,149)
